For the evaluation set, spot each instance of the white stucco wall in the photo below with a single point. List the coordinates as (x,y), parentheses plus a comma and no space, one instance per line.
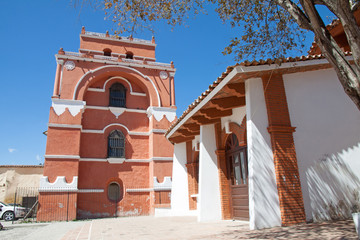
(263,195)
(237,116)
(209,208)
(179,192)
(327,142)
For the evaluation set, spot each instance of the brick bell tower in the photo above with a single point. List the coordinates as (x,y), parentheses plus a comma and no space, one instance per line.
(111,105)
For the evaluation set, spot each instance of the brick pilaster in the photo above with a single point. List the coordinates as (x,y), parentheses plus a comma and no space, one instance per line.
(192,172)
(285,161)
(224,185)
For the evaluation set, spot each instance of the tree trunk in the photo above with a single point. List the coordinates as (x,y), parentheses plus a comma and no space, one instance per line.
(349,75)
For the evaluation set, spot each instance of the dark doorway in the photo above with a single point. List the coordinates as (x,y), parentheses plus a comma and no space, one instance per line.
(237,165)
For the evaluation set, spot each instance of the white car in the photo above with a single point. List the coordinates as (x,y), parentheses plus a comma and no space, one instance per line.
(7,212)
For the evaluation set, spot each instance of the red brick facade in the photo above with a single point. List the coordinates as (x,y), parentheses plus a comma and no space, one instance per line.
(82,119)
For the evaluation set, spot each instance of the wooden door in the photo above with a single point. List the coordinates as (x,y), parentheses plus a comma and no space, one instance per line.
(238,176)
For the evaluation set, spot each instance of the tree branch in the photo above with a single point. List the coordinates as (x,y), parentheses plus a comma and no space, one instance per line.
(296,13)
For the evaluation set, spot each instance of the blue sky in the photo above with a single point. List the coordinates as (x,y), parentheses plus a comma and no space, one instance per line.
(33,31)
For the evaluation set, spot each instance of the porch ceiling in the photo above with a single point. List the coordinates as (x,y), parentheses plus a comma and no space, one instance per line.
(232,95)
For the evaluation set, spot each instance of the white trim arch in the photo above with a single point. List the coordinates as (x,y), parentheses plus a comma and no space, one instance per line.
(114,124)
(121,78)
(116,66)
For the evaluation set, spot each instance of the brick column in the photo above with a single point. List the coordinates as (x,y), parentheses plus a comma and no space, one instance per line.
(193,170)
(224,185)
(192,173)
(285,161)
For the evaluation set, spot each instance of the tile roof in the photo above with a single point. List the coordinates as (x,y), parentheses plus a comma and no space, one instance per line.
(246,64)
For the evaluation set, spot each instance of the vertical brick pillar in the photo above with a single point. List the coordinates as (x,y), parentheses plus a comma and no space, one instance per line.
(192,172)
(224,185)
(286,168)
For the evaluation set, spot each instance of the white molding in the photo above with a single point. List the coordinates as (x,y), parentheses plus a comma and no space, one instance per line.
(161,158)
(165,185)
(139,190)
(118,66)
(158,131)
(59,125)
(74,106)
(63,156)
(103,89)
(93,160)
(60,184)
(115,160)
(160,112)
(101,131)
(108,108)
(90,190)
(119,40)
(126,160)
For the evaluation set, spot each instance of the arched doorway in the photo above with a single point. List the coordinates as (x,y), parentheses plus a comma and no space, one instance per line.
(237,167)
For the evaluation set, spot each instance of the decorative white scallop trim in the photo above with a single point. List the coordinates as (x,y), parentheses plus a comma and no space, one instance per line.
(121,78)
(63,156)
(117,66)
(74,106)
(165,185)
(59,125)
(117,111)
(60,184)
(160,112)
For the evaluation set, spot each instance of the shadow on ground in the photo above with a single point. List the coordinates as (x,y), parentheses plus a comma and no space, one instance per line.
(326,230)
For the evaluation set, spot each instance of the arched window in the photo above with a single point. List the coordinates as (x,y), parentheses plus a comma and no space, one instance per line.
(117,95)
(129,55)
(115,193)
(116,145)
(107,52)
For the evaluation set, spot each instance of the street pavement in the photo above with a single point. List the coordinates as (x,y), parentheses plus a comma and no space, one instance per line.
(169,228)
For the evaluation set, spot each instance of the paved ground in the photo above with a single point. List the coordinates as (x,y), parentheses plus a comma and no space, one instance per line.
(171,228)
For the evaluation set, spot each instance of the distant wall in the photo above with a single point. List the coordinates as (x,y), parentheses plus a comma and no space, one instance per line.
(12,176)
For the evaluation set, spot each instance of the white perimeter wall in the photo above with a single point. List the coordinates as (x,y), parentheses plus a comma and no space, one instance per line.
(263,195)
(179,191)
(327,142)
(209,208)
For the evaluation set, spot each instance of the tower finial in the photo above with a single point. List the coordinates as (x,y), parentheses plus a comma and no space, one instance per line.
(83,30)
